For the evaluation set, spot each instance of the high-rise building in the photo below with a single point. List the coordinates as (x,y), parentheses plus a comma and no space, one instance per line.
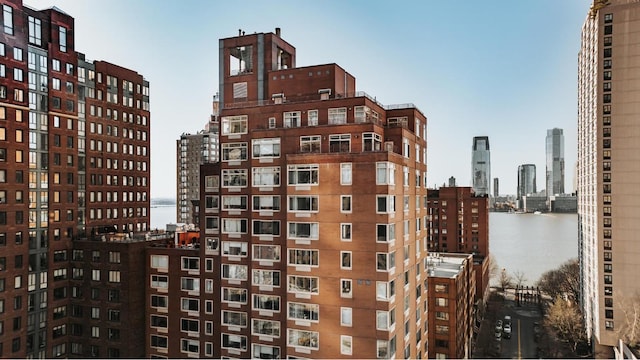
(555,162)
(481,166)
(458,221)
(312,222)
(496,187)
(74,164)
(608,167)
(192,151)
(452,181)
(526,180)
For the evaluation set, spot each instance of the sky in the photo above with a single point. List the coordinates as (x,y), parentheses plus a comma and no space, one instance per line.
(506,69)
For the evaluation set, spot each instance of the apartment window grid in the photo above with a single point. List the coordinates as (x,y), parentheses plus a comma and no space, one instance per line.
(606,144)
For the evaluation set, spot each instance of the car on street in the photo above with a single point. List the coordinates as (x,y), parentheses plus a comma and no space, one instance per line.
(506,330)
(507,319)
(498,335)
(499,325)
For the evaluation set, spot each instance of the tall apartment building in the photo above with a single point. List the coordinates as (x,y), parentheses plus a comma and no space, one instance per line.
(451,305)
(555,162)
(458,222)
(608,167)
(74,163)
(496,187)
(526,180)
(481,166)
(314,235)
(192,151)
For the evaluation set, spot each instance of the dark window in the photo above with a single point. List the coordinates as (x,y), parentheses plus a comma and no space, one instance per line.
(607,41)
(608,18)
(608,29)
(607,75)
(607,52)
(19,217)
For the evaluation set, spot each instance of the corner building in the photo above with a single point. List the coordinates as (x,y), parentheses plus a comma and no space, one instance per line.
(608,168)
(316,218)
(74,163)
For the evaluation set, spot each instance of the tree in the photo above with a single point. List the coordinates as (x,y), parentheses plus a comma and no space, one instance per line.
(629,332)
(562,282)
(505,280)
(493,267)
(565,318)
(519,278)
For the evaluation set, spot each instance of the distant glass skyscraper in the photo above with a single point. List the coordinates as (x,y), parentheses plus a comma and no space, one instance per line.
(481,166)
(496,183)
(555,162)
(526,180)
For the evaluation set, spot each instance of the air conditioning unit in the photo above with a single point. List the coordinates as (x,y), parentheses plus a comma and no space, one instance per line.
(388,146)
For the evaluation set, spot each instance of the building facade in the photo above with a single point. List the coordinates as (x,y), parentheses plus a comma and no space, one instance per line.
(555,162)
(451,305)
(458,222)
(481,166)
(192,151)
(526,180)
(608,192)
(496,187)
(321,219)
(74,164)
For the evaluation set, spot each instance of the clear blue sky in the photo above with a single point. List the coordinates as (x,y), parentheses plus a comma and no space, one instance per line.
(504,68)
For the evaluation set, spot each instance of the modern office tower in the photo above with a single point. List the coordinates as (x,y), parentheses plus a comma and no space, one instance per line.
(452,181)
(481,166)
(458,222)
(526,180)
(314,233)
(74,163)
(608,167)
(555,162)
(496,191)
(451,305)
(192,151)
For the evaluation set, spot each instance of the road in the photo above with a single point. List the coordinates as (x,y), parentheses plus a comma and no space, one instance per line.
(522,344)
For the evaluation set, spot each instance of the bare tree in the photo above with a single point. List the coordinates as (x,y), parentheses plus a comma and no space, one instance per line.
(520,279)
(505,280)
(493,267)
(563,281)
(629,332)
(565,318)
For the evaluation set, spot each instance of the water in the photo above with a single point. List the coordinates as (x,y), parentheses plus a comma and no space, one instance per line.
(161,215)
(528,243)
(532,244)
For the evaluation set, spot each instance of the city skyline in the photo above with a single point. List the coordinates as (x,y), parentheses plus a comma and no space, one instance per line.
(499,98)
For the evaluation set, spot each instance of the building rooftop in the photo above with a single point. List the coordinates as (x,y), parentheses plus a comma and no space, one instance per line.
(446,265)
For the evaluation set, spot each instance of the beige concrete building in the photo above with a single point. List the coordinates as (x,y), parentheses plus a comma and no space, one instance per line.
(608,166)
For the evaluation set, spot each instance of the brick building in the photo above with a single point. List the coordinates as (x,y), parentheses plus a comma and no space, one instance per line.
(74,164)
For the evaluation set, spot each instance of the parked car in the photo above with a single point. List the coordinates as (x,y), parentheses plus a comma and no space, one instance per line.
(499,325)
(498,335)
(507,319)
(506,330)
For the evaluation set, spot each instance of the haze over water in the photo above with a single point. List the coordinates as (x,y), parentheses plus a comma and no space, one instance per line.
(532,243)
(529,243)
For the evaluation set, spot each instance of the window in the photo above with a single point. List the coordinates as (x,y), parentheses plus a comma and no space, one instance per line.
(262,327)
(234,318)
(385,261)
(303,174)
(371,142)
(266,176)
(303,257)
(234,226)
(260,351)
(188,304)
(190,263)
(312,117)
(189,325)
(337,116)
(235,248)
(385,204)
(346,343)
(268,228)
(385,319)
(230,341)
(345,203)
(234,295)
(190,284)
(159,281)
(159,341)
(303,338)
(234,272)
(307,231)
(266,148)
(303,311)
(442,301)
(386,232)
(159,261)
(234,125)
(340,143)
(346,318)
(7,17)
(63,39)
(266,203)
(310,144)
(234,202)
(234,151)
(291,119)
(266,252)
(345,260)
(303,284)
(303,204)
(266,277)
(234,178)
(266,302)
(345,232)
(211,203)
(385,173)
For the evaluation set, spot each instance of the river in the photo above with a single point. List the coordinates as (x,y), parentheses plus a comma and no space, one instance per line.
(527,243)
(532,243)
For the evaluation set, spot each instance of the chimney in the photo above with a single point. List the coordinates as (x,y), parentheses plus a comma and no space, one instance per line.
(278,32)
